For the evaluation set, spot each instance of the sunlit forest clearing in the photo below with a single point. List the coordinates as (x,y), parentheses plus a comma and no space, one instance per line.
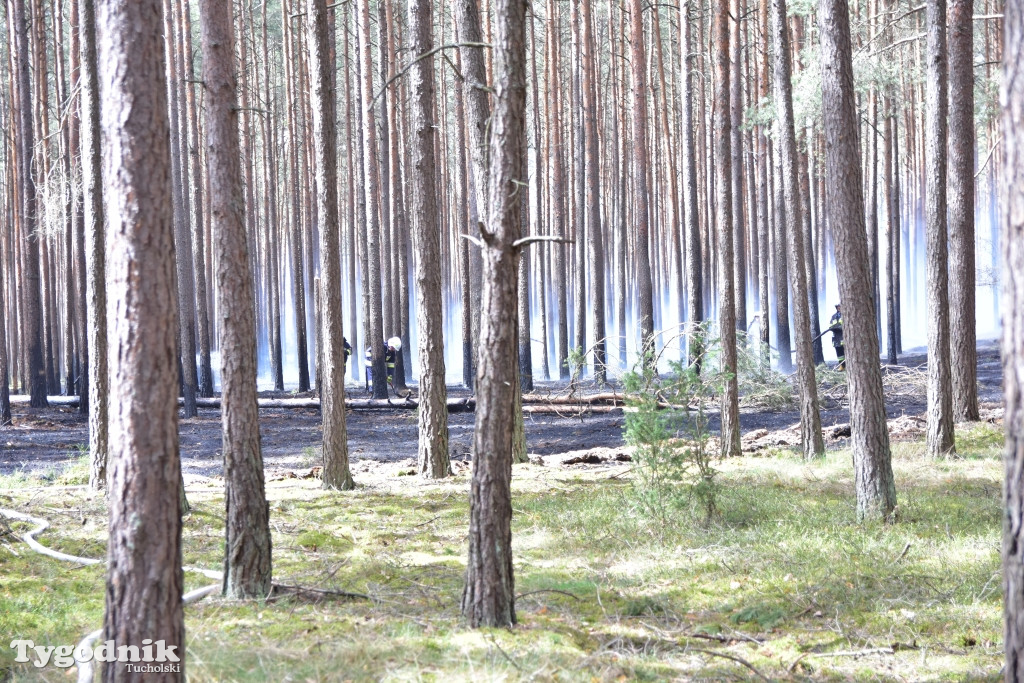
(785,579)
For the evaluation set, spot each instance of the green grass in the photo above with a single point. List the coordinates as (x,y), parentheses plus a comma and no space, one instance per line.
(784,577)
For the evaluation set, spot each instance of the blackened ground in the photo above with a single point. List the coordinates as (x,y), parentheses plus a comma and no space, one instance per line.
(44,440)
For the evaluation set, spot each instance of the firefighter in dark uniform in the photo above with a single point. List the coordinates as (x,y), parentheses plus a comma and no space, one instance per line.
(836,328)
(394,346)
(391,348)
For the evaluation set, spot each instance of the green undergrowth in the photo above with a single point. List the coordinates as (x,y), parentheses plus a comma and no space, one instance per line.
(784,579)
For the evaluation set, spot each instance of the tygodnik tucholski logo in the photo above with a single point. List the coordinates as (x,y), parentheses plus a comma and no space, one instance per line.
(152,657)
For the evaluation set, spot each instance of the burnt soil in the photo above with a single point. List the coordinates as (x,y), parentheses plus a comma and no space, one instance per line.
(45,440)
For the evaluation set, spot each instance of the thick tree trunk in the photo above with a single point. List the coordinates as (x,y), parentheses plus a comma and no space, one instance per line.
(489,595)
(96,296)
(876,489)
(247,561)
(1012,239)
(723,196)
(144,577)
(433,458)
(962,324)
(810,420)
(940,384)
(336,473)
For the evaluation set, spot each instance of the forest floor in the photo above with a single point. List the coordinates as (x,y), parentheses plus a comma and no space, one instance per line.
(782,584)
(42,442)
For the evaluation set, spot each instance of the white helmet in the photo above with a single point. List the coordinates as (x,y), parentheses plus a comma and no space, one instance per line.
(395,343)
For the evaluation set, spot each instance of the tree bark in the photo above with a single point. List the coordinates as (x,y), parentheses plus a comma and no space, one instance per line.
(144,577)
(336,473)
(723,186)
(372,274)
(433,458)
(1011,99)
(645,313)
(32,301)
(96,295)
(962,323)
(810,420)
(489,595)
(694,265)
(595,230)
(940,384)
(247,547)
(874,483)
(186,294)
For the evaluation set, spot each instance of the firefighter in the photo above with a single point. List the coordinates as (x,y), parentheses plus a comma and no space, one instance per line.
(391,348)
(394,345)
(348,350)
(836,328)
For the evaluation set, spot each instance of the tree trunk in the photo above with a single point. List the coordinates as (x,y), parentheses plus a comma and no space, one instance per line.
(723,185)
(962,324)
(595,231)
(247,556)
(32,301)
(645,313)
(810,420)
(372,274)
(336,473)
(1012,239)
(144,577)
(876,489)
(694,265)
(198,241)
(182,235)
(940,385)
(295,215)
(489,595)
(92,199)
(433,459)
(736,151)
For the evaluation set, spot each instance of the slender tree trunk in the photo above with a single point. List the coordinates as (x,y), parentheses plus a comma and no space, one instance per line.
(198,214)
(940,385)
(295,216)
(372,275)
(595,230)
(557,202)
(489,595)
(144,577)
(723,186)
(736,150)
(645,314)
(694,264)
(92,200)
(433,413)
(962,323)
(875,486)
(182,235)
(5,386)
(1012,239)
(32,324)
(810,420)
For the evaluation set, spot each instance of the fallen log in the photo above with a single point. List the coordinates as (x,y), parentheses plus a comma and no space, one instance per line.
(455,405)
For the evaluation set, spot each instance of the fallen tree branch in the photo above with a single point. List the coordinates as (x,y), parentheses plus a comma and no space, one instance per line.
(320,591)
(738,660)
(549,590)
